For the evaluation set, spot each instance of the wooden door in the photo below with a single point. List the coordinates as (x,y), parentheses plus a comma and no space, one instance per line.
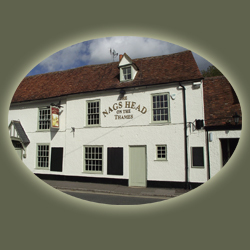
(137,166)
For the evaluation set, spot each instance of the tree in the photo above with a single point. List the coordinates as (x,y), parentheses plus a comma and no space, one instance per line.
(211,71)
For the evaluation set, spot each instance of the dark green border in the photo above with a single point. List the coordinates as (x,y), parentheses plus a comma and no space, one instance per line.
(35,216)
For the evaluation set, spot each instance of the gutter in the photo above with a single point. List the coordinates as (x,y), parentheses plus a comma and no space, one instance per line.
(185,132)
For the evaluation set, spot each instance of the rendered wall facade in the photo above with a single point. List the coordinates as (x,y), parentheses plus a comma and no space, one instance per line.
(123,122)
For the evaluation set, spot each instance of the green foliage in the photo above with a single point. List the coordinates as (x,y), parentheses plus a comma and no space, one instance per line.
(211,71)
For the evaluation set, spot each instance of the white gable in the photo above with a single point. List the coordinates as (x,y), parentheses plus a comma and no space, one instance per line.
(124,61)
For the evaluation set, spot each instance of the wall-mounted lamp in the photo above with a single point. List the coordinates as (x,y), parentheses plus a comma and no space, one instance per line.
(236,118)
(121,94)
(73,130)
(199,124)
(173,96)
(57,105)
(196,85)
(211,137)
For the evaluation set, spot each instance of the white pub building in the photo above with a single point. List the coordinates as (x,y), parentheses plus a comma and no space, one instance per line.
(137,122)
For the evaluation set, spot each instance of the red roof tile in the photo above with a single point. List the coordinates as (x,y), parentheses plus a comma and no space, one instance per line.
(151,70)
(220,101)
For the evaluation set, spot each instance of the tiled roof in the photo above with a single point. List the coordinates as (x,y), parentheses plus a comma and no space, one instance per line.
(220,101)
(151,70)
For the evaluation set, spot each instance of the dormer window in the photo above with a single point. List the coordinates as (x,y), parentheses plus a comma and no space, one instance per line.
(128,69)
(127,73)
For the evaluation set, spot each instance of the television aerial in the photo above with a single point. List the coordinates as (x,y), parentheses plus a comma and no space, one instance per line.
(113,53)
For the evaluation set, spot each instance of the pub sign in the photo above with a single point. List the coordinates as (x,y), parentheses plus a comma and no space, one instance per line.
(54,111)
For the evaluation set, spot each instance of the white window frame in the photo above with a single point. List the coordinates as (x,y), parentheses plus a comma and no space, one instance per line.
(48,120)
(44,156)
(98,158)
(97,113)
(160,108)
(157,151)
(126,74)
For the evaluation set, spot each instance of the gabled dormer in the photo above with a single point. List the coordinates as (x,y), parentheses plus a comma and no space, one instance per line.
(128,70)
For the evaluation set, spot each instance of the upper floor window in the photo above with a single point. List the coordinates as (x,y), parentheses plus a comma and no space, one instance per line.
(127,73)
(93,113)
(160,107)
(44,118)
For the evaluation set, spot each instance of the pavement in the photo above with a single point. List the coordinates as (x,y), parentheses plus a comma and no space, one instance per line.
(159,192)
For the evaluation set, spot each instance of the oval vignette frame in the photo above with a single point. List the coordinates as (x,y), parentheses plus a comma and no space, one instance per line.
(219,128)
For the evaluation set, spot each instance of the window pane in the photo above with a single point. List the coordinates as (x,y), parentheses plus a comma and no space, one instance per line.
(93,161)
(93,113)
(160,107)
(43,156)
(44,118)
(161,152)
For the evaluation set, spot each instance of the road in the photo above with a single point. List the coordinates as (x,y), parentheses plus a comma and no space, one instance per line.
(112,199)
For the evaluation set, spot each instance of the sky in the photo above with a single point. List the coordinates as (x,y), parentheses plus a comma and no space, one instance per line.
(97,51)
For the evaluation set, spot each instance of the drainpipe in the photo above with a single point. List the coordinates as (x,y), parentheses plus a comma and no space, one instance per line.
(208,158)
(185,132)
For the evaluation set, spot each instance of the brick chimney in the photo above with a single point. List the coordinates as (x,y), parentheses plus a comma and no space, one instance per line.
(120,57)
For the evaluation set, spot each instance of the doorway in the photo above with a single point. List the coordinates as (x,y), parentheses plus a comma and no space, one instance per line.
(18,148)
(137,166)
(228,146)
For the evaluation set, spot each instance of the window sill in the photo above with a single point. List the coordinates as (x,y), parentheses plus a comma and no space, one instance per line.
(92,172)
(92,126)
(200,167)
(160,123)
(129,80)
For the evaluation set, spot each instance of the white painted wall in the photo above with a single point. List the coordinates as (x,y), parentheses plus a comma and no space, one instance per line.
(215,150)
(27,114)
(140,130)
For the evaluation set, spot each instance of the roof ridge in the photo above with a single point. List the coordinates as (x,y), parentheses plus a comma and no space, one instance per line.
(166,55)
(66,70)
(100,64)
(154,70)
(210,77)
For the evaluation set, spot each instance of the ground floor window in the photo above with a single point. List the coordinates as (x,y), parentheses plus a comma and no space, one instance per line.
(43,156)
(56,159)
(197,157)
(115,161)
(161,152)
(93,158)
